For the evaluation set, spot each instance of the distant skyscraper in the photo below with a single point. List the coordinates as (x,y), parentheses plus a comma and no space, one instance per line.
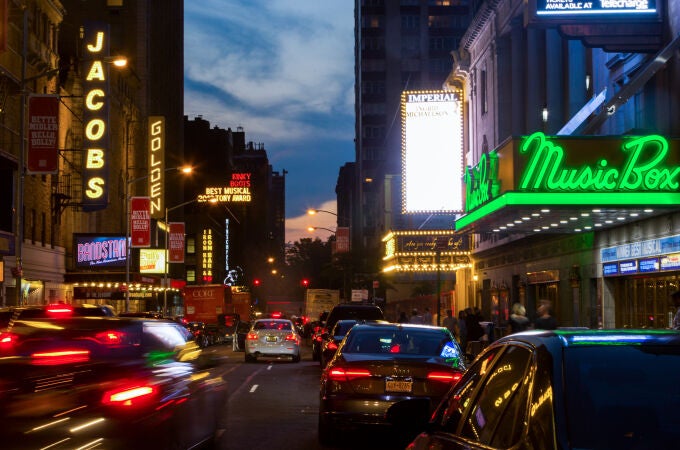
(399,45)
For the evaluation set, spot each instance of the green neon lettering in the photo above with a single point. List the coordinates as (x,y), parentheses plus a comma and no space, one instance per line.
(481,181)
(642,170)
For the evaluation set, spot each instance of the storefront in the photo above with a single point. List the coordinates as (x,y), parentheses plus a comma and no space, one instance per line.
(548,213)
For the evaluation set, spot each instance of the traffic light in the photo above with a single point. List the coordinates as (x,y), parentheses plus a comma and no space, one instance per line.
(305,282)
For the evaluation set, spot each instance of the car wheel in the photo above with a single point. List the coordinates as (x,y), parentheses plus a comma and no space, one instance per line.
(250,358)
(326,431)
(296,358)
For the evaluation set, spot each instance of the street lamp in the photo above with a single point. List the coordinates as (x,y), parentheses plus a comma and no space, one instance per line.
(311,212)
(313,229)
(185,170)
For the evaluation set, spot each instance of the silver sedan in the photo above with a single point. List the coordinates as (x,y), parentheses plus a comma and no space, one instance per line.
(272,338)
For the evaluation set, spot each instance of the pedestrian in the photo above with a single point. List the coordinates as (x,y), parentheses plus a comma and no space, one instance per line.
(518,319)
(474,328)
(403,318)
(544,319)
(451,323)
(427,317)
(415,318)
(462,330)
(675,299)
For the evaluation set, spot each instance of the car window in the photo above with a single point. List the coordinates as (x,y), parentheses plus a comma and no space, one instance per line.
(420,342)
(164,336)
(459,400)
(341,328)
(273,325)
(498,411)
(541,429)
(628,394)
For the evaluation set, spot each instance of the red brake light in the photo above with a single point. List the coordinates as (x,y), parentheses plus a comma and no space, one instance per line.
(396,348)
(251,337)
(131,395)
(56,357)
(342,374)
(332,345)
(448,377)
(291,337)
(7,340)
(59,310)
(112,337)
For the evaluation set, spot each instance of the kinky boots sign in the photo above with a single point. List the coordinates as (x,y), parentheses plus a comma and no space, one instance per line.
(636,170)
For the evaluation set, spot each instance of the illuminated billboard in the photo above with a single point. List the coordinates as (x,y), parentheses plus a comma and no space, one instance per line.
(237,190)
(157,166)
(99,251)
(151,260)
(432,151)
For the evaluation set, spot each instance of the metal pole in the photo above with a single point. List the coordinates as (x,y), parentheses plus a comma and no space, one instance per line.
(19,209)
(127,245)
(439,288)
(165,259)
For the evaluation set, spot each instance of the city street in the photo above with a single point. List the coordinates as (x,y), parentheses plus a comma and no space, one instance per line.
(273,404)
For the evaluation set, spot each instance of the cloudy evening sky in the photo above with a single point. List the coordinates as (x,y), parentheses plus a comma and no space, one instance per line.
(284,71)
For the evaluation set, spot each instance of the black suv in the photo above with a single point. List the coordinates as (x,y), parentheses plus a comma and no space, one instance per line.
(353,311)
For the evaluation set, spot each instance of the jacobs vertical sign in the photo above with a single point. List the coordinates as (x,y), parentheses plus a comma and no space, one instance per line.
(96,118)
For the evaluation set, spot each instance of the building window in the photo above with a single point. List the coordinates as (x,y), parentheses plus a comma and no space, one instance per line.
(372,21)
(409,22)
(373,43)
(191,245)
(483,94)
(191,275)
(43,229)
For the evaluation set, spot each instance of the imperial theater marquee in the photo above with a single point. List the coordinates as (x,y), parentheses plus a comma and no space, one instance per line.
(543,183)
(432,151)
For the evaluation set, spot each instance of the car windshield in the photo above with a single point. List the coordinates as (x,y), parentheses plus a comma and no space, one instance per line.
(273,325)
(623,396)
(420,342)
(342,327)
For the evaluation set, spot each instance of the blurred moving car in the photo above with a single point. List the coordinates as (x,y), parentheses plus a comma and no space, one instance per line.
(239,341)
(53,311)
(114,383)
(272,338)
(145,314)
(565,389)
(387,374)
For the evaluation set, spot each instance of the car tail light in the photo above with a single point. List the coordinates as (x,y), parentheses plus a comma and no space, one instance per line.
(59,310)
(448,377)
(130,395)
(342,374)
(112,337)
(251,337)
(57,357)
(332,345)
(291,337)
(8,340)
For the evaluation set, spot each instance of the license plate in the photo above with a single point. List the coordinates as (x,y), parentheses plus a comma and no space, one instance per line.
(271,338)
(398,386)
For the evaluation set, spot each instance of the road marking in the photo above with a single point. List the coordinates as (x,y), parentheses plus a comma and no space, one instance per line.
(253,388)
(269,367)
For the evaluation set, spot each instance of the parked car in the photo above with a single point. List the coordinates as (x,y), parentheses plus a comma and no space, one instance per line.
(115,383)
(387,375)
(272,338)
(565,389)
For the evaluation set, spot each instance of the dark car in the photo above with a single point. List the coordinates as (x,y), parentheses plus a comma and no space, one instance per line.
(331,341)
(53,311)
(387,375)
(145,314)
(239,341)
(565,389)
(199,333)
(339,312)
(115,383)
